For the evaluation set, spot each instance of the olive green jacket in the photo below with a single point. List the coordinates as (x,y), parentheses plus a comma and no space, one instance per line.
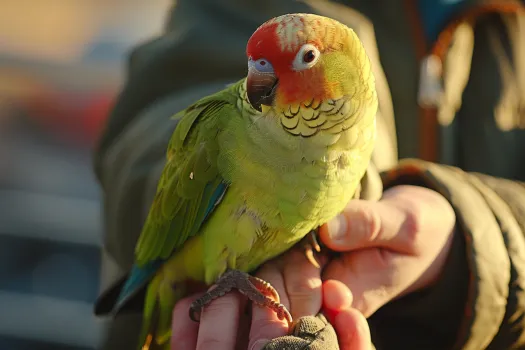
(479,300)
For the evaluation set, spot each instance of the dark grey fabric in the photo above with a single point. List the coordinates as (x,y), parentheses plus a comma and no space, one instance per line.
(202,49)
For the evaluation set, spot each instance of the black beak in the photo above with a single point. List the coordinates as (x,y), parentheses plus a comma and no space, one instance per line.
(261,88)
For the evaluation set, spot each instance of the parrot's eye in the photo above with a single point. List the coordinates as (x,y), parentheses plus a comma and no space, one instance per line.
(262,65)
(309,56)
(306,57)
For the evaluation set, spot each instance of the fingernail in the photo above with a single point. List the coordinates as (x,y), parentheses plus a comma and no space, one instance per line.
(337,228)
(259,344)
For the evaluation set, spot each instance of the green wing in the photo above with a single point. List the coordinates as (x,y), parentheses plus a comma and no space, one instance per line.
(190,185)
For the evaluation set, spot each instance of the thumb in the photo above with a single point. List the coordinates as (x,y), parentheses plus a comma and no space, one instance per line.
(405,235)
(365,224)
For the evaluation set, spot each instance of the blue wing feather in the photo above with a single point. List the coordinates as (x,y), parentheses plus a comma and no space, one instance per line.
(215,199)
(140,275)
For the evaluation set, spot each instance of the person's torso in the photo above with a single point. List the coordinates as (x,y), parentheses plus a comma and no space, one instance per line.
(481,119)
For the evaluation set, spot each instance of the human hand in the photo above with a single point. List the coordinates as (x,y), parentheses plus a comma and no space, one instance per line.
(224,325)
(390,248)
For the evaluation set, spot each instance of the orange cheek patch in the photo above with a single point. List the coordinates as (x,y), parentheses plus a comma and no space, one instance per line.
(297,87)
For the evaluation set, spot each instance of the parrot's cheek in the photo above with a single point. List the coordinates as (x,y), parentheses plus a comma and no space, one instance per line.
(261,88)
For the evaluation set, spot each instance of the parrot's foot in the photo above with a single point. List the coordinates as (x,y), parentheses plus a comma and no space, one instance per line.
(310,244)
(257,290)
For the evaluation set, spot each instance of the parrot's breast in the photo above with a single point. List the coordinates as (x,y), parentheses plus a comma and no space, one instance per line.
(295,184)
(281,186)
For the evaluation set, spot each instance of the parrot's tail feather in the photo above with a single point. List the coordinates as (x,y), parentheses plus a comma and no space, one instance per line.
(127,293)
(107,303)
(137,279)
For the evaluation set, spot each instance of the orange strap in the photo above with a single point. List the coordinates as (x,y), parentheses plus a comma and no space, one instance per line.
(428,124)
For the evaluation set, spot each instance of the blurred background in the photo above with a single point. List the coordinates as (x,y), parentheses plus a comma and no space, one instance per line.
(61,64)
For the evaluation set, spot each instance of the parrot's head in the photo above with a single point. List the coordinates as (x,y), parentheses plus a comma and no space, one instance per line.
(311,72)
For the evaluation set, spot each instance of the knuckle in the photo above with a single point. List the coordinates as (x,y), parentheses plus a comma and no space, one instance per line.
(368,303)
(229,301)
(412,225)
(366,223)
(300,286)
(372,223)
(387,275)
(304,294)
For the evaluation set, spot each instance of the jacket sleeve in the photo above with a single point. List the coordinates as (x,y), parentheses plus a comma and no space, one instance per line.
(478,302)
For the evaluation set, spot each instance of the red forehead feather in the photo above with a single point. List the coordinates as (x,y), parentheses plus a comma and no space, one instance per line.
(293,86)
(265,43)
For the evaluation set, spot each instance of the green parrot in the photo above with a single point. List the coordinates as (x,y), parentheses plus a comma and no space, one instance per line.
(253,169)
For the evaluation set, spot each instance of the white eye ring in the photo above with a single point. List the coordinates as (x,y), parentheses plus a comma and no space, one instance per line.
(306,58)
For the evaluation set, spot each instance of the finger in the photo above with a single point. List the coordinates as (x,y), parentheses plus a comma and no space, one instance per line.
(415,255)
(365,224)
(394,222)
(265,324)
(219,323)
(352,330)
(375,276)
(243,332)
(183,329)
(336,295)
(303,284)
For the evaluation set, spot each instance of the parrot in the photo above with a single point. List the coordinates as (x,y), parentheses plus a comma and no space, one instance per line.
(254,169)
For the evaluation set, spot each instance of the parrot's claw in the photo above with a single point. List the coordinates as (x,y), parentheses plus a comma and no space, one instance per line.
(147,343)
(311,244)
(265,288)
(194,312)
(257,290)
